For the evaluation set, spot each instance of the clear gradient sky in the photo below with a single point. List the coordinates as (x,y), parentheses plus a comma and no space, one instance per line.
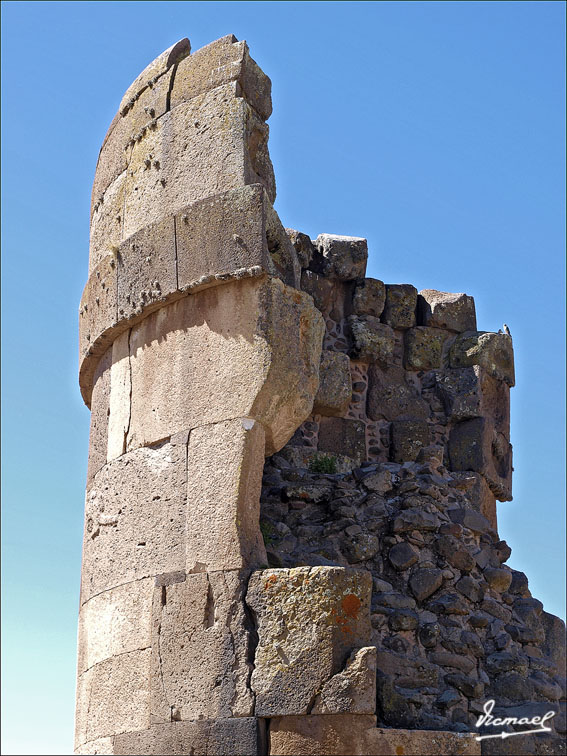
(434,129)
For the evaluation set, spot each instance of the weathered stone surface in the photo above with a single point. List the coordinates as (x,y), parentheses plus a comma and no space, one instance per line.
(98,309)
(393,742)
(113,697)
(424,582)
(439,309)
(492,351)
(218,63)
(343,436)
(146,267)
(98,746)
(498,579)
(373,341)
(401,301)
(115,622)
(369,297)
(320,288)
(224,479)
(423,348)
(98,438)
(189,162)
(256,373)
(392,396)
(335,384)
(408,438)
(475,445)
(479,495)
(216,737)
(201,618)
(135,519)
(352,691)
(309,619)
(337,734)
(303,246)
(342,257)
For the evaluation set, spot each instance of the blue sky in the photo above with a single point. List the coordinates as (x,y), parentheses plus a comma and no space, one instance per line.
(433,129)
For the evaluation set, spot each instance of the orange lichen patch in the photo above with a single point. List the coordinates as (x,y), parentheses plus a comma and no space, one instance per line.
(270,581)
(351,604)
(399,751)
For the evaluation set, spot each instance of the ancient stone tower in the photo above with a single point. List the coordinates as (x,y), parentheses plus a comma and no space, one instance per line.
(290,540)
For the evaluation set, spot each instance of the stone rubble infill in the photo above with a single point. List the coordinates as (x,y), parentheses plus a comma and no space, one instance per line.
(452,624)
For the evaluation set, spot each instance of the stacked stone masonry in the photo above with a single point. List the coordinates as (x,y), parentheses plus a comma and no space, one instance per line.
(290,540)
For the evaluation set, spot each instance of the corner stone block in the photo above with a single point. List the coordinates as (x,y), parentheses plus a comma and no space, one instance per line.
(303,246)
(335,384)
(99,304)
(218,63)
(369,298)
(334,735)
(339,435)
(342,257)
(472,392)
(115,622)
(478,493)
(392,395)
(475,445)
(409,437)
(113,697)
(373,341)
(216,737)
(492,351)
(135,518)
(257,373)
(423,348)
(439,309)
(224,481)
(401,303)
(221,234)
(201,645)
(309,619)
(146,268)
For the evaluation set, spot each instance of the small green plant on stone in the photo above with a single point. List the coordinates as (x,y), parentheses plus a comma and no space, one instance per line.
(323,463)
(267,530)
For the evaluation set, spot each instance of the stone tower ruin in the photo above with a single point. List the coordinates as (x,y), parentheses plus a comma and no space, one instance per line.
(290,541)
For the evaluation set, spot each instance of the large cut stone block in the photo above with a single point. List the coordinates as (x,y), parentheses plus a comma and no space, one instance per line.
(107,222)
(335,384)
(222,234)
(423,348)
(224,480)
(115,622)
(120,392)
(393,396)
(342,257)
(309,620)
(98,746)
(216,64)
(200,649)
(342,436)
(478,493)
(439,309)
(147,267)
(392,742)
(113,697)
(492,351)
(472,392)
(369,297)
(99,304)
(206,146)
(352,691)
(401,302)
(373,341)
(98,437)
(334,735)
(475,445)
(216,737)
(409,437)
(135,518)
(179,359)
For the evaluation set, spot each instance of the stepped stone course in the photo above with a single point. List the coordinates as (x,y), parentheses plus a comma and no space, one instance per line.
(291,541)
